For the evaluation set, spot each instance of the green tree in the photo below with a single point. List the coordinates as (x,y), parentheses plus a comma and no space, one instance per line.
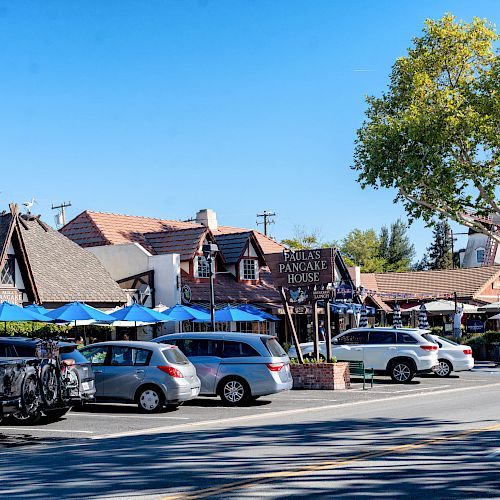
(440,256)
(400,251)
(362,248)
(302,239)
(433,136)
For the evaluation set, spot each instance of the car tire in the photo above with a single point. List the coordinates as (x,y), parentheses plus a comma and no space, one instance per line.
(150,399)
(444,368)
(234,392)
(55,414)
(402,372)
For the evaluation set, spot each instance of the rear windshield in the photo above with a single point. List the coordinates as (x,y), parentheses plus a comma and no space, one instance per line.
(174,355)
(274,348)
(448,340)
(72,353)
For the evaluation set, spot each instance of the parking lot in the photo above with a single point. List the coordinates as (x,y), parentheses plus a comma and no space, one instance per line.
(98,421)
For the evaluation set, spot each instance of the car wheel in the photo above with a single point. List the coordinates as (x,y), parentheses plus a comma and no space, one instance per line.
(402,372)
(56,414)
(150,399)
(444,368)
(234,392)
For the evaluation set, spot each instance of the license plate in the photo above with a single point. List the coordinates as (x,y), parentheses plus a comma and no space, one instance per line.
(194,391)
(86,386)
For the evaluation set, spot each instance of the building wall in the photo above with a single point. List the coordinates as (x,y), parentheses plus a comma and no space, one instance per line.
(474,242)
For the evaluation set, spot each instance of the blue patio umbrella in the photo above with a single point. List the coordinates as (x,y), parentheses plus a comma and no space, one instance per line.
(36,308)
(234,314)
(10,312)
(396,316)
(259,312)
(185,313)
(423,323)
(137,313)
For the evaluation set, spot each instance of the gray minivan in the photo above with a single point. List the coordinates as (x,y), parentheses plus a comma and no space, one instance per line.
(238,367)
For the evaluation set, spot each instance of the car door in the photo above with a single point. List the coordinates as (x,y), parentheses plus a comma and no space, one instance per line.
(380,349)
(205,354)
(98,357)
(349,346)
(124,373)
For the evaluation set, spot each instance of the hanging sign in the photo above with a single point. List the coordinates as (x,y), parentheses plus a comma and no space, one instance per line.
(322,294)
(186,294)
(298,296)
(302,267)
(11,295)
(344,291)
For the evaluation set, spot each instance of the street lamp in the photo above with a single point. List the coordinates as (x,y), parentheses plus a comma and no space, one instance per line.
(209,251)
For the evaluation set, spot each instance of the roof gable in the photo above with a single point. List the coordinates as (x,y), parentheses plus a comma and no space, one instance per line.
(185,242)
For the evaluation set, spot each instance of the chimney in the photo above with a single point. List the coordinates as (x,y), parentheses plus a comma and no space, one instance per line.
(208,218)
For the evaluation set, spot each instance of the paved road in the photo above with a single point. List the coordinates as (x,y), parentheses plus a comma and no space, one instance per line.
(437,437)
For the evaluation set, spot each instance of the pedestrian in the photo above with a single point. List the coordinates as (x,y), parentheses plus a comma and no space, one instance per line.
(126,338)
(80,342)
(321,331)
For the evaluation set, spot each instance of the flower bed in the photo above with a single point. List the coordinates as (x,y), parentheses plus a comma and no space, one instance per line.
(329,376)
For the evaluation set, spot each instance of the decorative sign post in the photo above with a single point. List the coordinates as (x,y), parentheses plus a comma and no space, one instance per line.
(304,276)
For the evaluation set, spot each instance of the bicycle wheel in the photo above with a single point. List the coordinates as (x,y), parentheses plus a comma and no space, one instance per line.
(49,385)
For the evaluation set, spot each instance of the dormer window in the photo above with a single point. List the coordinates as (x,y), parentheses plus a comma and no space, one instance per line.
(7,275)
(480,253)
(201,267)
(249,269)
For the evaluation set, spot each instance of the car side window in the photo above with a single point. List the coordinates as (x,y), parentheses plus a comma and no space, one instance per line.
(7,351)
(122,356)
(406,338)
(234,349)
(382,337)
(96,355)
(141,357)
(354,338)
(25,351)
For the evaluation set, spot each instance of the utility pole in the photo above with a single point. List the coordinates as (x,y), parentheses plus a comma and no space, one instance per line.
(267,219)
(61,216)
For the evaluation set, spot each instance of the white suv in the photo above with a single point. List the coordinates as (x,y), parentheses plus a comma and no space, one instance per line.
(401,353)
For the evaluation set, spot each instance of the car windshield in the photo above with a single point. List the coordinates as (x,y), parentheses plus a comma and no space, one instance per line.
(274,348)
(429,338)
(174,355)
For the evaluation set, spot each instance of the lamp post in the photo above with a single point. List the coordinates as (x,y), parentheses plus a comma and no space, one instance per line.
(209,251)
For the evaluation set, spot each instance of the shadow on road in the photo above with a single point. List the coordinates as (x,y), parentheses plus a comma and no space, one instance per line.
(184,461)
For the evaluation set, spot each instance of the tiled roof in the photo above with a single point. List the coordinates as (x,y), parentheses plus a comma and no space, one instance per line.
(227,289)
(267,244)
(65,272)
(232,245)
(97,228)
(184,241)
(466,282)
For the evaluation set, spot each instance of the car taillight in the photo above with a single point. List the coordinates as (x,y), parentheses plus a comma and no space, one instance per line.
(275,367)
(429,347)
(468,351)
(173,372)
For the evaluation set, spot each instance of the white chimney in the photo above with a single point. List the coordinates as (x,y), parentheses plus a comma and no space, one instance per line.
(208,218)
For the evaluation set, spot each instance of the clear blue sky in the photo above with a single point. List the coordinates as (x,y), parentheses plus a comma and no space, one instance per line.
(161,108)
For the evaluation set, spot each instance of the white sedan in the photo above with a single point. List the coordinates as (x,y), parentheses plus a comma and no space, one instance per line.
(453,357)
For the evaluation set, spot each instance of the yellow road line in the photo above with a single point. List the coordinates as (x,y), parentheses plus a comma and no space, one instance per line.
(260,479)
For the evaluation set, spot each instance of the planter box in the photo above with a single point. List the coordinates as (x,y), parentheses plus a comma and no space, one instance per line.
(330,376)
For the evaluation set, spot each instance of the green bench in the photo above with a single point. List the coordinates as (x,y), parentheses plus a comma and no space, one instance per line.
(358,368)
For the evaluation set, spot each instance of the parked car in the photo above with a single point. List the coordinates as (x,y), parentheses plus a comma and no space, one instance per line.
(401,353)
(238,367)
(451,356)
(144,373)
(78,371)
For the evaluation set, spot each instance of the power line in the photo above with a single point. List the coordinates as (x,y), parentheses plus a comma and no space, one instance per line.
(267,219)
(60,217)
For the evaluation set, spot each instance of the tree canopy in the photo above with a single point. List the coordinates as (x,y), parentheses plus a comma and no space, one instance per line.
(434,135)
(439,254)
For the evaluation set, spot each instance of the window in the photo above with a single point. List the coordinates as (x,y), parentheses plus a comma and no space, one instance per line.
(129,356)
(274,347)
(406,338)
(382,338)
(7,276)
(249,269)
(238,350)
(174,355)
(7,351)
(252,326)
(480,254)
(96,355)
(353,338)
(199,347)
(201,267)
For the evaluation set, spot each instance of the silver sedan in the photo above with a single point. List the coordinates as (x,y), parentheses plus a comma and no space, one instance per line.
(148,374)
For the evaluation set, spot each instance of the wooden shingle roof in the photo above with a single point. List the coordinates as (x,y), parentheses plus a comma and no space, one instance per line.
(185,241)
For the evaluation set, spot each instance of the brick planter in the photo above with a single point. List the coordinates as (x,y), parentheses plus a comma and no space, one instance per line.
(329,376)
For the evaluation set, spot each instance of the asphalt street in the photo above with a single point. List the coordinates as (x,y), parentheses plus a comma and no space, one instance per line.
(435,437)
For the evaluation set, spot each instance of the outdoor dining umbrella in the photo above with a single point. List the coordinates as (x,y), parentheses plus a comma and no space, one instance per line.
(363,317)
(185,313)
(234,314)
(137,314)
(259,312)
(423,324)
(78,311)
(10,312)
(396,316)
(36,308)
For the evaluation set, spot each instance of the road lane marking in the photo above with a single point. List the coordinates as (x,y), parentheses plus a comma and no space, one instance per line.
(269,477)
(87,415)
(281,414)
(37,429)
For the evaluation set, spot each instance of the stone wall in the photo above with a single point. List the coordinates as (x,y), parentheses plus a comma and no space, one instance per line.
(331,376)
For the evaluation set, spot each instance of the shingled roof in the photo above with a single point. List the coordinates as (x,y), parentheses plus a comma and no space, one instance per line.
(466,282)
(233,245)
(184,241)
(61,270)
